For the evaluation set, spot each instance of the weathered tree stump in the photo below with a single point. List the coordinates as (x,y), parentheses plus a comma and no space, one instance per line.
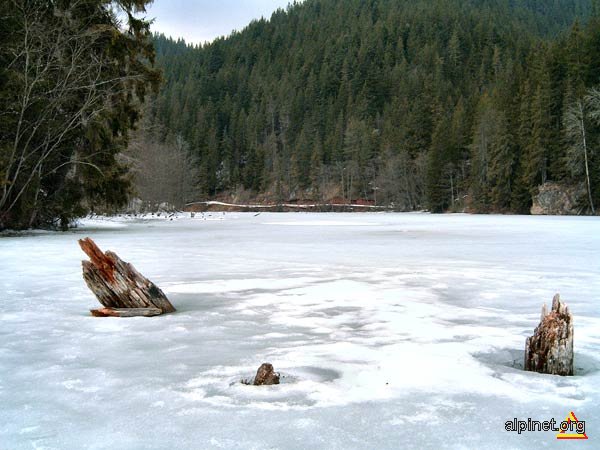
(266,376)
(121,289)
(550,349)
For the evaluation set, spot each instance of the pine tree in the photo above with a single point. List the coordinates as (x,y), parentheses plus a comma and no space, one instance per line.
(535,163)
(316,169)
(501,165)
(438,192)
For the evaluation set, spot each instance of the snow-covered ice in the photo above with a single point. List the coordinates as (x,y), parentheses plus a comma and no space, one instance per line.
(389,330)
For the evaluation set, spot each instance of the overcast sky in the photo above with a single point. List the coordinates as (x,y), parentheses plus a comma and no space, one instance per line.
(198,21)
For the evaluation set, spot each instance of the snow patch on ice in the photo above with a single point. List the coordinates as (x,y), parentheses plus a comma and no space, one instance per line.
(322,223)
(389,331)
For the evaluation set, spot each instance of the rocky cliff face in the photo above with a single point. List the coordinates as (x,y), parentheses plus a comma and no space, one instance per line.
(558,199)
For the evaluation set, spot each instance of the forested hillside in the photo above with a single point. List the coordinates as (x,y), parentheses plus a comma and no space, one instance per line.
(438,104)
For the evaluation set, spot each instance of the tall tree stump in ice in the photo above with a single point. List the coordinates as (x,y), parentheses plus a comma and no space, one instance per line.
(550,349)
(121,289)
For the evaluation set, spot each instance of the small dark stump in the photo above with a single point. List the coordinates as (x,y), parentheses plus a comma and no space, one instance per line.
(266,376)
(550,349)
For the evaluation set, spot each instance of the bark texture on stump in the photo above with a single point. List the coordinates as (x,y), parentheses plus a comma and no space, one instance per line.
(266,376)
(119,287)
(550,349)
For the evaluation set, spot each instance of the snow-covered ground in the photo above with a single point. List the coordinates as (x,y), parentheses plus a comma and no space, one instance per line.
(390,331)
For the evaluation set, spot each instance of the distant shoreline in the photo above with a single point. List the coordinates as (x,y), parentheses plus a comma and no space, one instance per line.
(216,206)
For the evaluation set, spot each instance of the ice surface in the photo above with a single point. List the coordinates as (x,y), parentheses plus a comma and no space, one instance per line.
(389,330)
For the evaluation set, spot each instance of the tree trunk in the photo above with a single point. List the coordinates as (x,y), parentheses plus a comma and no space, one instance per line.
(550,349)
(585,156)
(118,286)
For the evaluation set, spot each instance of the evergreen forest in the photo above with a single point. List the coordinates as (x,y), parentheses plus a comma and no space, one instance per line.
(438,105)
(417,104)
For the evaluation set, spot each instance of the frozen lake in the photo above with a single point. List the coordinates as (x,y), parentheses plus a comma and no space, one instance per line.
(390,331)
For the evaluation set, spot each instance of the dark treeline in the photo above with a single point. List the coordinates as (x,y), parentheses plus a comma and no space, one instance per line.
(438,104)
(73,76)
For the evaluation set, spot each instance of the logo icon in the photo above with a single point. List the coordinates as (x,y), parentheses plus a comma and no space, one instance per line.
(572,428)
